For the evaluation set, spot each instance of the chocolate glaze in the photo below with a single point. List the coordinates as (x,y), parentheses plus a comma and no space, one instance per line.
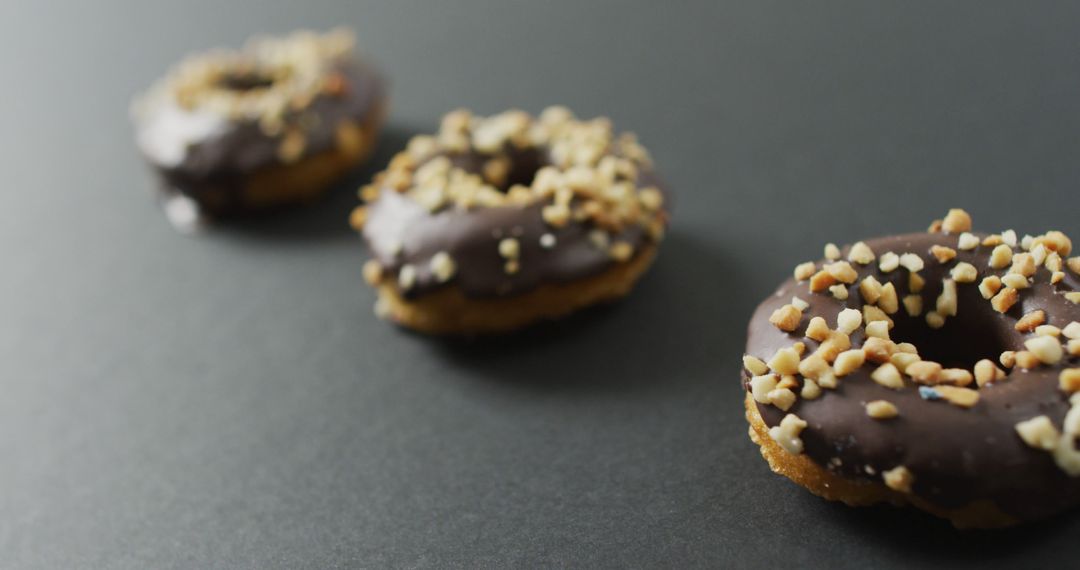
(215,166)
(957,455)
(399,231)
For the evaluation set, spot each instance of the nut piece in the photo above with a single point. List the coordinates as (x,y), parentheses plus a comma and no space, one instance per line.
(990,286)
(986,372)
(804,271)
(915,283)
(871,314)
(870,289)
(839,291)
(1001,257)
(878,350)
(1071,330)
(881,410)
(785,361)
(406,277)
(832,252)
(442,267)
(754,365)
(786,318)
(964,272)
(1039,432)
(1048,330)
(810,390)
(787,434)
(372,272)
(821,281)
(1054,241)
(943,254)
(956,221)
(760,386)
(799,304)
(913,305)
(888,301)
(509,248)
(848,321)
(1028,322)
(956,377)
(947,301)
(1016,281)
(1073,263)
(924,372)
(878,329)
(899,479)
(1023,264)
(935,320)
(1046,348)
(842,271)
(890,261)
(1027,360)
(1008,359)
(861,253)
(912,262)
(848,361)
(1005,299)
(782,398)
(962,397)
(1070,380)
(967,241)
(817,329)
(888,376)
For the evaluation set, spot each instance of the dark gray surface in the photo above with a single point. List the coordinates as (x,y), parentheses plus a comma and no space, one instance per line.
(230,401)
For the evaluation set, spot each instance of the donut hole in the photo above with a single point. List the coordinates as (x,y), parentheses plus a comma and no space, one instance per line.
(959,344)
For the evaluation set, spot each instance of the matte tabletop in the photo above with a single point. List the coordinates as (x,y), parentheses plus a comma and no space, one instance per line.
(228,400)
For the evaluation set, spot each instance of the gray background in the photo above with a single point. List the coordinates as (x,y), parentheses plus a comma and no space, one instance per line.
(228,400)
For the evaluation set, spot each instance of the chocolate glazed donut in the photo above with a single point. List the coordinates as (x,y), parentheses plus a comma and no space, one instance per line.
(499,222)
(940,370)
(273,124)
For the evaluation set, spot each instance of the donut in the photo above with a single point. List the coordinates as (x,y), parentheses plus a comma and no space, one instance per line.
(272,124)
(939,370)
(496,223)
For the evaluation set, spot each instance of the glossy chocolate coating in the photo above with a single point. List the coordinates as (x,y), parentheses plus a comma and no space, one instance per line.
(400,231)
(220,155)
(958,455)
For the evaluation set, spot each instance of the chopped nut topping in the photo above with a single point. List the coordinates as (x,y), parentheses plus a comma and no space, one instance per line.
(1053,262)
(511,266)
(1016,281)
(1073,263)
(810,390)
(964,272)
(1038,255)
(1070,380)
(848,321)
(621,251)
(901,360)
(832,252)
(907,347)
(1054,241)
(1039,432)
(962,397)
(509,248)
(839,291)
(924,372)
(787,434)
(818,329)
(956,377)
(915,283)
(789,382)
(1027,360)
(785,361)
(1027,242)
(956,221)
(899,479)
(373,272)
(799,304)
(935,320)
(1005,299)
(943,254)
(814,367)
(848,361)
(990,286)
(871,314)
(804,271)
(913,305)
(912,262)
(1028,322)
(821,281)
(1057,277)
(992,240)
(890,261)
(782,398)
(870,289)
(547,241)
(888,301)
(986,372)
(760,386)
(888,376)
(1008,359)
(754,365)
(1073,348)
(1073,297)
(1001,257)
(1046,348)
(1071,330)
(861,253)
(442,267)
(1047,330)
(878,329)
(1008,237)
(786,318)
(1023,264)
(878,350)
(881,410)
(947,301)
(406,277)
(967,241)
(842,271)
(831,348)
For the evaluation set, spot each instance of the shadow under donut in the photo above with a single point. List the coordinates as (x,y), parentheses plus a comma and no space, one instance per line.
(635,343)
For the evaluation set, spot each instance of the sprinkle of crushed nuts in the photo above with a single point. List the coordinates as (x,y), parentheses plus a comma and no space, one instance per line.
(373,272)
(1054,241)
(990,286)
(786,318)
(899,479)
(871,314)
(947,301)
(956,221)
(782,398)
(621,251)
(785,361)
(888,376)
(924,372)
(760,386)
(804,271)
(888,301)
(913,305)
(1071,330)
(1047,330)
(964,272)
(821,281)
(1008,237)
(810,390)
(878,329)
(1027,360)
(1001,257)
(915,283)
(787,434)
(1008,358)
(881,410)
(848,361)
(1023,264)
(547,241)
(832,252)
(814,367)
(901,360)
(1028,322)
(1016,281)
(861,253)
(986,372)
(1073,348)
(1073,297)
(442,266)
(943,254)
(1057,277)
(878,350)
(956,377)
(1073,263)
(839,291)
(1046,348)
(962,397)
(967,241)
(912,262)
(1005,299)
(836,343)
(407,277)
(870,289)
(509,248)
(890,261)
(754,365)
(1070,380)
(842,271)
(848,321)
(1039,432)
(935,320)
(818,329)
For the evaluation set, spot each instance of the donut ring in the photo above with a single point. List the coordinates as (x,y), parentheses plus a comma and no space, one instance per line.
(499,222)
(940,370)
(272,124)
